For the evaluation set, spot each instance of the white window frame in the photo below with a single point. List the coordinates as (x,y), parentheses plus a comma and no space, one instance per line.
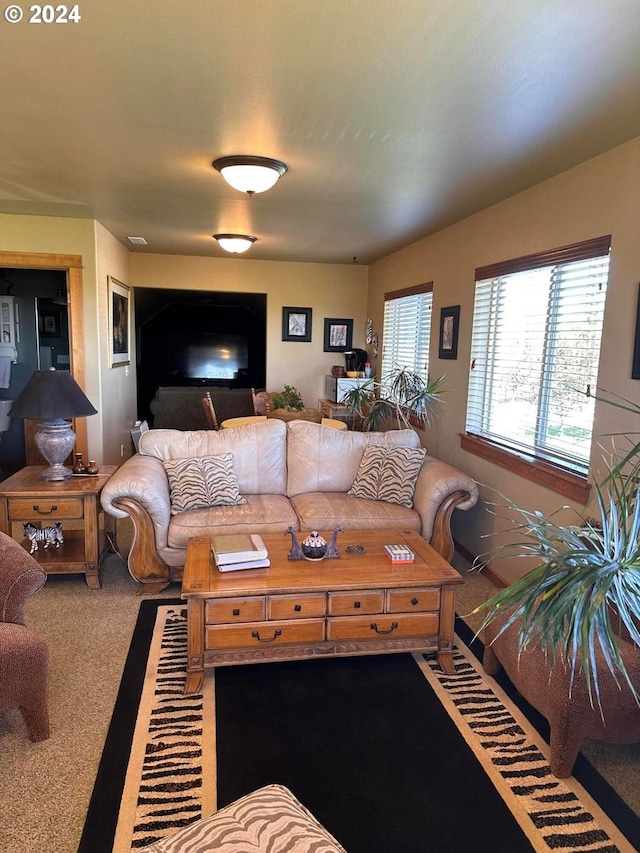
(539,449)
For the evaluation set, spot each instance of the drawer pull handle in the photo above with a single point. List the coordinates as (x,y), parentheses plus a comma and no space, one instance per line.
(356,604)
(236,611)
(374,627)
(298,608)
(414,601)
(36,508)
(256,635)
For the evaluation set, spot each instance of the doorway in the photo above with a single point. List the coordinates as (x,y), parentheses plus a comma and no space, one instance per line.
(68,269)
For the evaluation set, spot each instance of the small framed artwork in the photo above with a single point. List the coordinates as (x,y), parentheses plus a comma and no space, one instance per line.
(449,324)
(119,322)
(296,324)
(337,334)
(49,324)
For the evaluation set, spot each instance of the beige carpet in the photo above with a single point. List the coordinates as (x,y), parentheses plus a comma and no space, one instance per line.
(45,787)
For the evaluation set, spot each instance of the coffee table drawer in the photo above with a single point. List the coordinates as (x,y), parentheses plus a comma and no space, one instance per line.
(409,600)
(296,606)
(45,508)
(378,627)
(235,610)
(256,634)
(356,601)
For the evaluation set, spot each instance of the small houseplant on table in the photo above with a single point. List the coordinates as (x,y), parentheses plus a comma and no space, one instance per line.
(402,397)
(288,405)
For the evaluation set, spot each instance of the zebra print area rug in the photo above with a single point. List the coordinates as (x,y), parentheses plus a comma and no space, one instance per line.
(171,778)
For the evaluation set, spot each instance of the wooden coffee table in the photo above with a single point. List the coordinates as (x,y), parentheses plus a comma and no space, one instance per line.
(355,605)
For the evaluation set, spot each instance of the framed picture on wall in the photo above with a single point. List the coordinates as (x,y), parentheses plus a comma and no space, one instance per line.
(49,324)
(449,324)
(119,322)
(337,334)
(296,324)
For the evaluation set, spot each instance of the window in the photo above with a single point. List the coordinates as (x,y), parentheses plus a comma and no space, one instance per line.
(535,351)
(407,329)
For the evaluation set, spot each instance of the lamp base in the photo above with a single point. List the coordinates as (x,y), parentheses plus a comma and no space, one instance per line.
(55,440)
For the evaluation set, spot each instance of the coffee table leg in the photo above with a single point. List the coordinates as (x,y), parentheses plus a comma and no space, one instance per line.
(447,622)
(195,646)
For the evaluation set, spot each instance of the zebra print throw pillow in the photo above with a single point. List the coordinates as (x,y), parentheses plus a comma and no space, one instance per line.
(202,482)
(388,474)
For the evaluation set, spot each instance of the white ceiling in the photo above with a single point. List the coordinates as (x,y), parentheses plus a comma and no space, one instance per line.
(395,119)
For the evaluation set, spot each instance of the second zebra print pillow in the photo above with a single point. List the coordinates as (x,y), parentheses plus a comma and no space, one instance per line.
(388,474)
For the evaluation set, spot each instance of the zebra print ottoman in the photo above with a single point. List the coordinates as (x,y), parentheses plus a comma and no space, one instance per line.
(270,819)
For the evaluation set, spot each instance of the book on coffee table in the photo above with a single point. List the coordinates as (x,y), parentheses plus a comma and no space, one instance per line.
(235,548)
(251,564)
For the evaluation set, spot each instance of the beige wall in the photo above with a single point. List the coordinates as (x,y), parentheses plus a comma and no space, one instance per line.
(332,290)
(117,384)
(599,197)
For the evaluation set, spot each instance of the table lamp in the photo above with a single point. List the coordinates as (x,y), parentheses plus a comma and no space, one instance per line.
(53,395)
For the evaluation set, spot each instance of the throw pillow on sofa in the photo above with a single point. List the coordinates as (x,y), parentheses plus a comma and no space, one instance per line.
(388,474)
(202,482)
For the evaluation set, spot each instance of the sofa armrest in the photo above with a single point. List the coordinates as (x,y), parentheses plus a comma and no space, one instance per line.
(142,479)
(440,489)
(20,577)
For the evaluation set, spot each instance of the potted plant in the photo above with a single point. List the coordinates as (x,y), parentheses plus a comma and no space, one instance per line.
(402,397)
(585,589)
(288,405)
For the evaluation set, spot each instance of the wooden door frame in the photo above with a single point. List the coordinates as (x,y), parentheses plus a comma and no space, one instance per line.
(72,266)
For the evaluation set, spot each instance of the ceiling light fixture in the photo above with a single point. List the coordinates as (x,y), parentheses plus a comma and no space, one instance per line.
(235,243)
(250,174)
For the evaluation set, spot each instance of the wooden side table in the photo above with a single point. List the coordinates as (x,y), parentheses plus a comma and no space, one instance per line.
(25,496)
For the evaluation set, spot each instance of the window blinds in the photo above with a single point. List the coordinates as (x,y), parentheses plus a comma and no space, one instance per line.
(407,330)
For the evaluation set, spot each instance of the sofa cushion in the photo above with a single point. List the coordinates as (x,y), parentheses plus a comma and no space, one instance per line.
(259,452)
(388,474)
(321,459)
(326,510)
(260,514)
(202,481)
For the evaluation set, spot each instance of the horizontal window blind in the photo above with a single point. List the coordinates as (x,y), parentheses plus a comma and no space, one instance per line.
(535,352)
(407,330)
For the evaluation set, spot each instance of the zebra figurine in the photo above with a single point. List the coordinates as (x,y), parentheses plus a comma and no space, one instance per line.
(44,534)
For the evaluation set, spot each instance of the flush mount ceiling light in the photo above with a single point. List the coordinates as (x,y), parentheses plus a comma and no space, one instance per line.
(235,243)
(250,174)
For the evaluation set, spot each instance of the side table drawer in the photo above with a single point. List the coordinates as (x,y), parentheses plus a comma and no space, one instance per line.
(409,600)
(378,627)
(296,606)
(234,610)
(255,634)
(356,601)
(28,509)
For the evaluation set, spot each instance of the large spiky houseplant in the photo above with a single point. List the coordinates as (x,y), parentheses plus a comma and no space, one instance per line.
(402,397)
(586,583)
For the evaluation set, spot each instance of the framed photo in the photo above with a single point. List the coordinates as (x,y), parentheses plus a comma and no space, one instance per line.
(449,324)
(119,322)
(296,324)
(337,334)
(49,324)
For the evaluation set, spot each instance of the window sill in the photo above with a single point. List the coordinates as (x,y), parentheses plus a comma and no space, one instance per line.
(543,473)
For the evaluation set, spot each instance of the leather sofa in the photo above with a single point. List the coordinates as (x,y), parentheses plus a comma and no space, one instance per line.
(295,474)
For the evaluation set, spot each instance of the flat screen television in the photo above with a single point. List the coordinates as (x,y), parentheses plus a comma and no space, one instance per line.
(213,355)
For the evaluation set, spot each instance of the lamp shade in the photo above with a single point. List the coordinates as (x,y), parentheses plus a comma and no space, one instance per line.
(235,243)
(250,174)
(51,394)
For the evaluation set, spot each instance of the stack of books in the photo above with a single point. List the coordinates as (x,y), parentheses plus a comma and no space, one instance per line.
(399,554)
(239,551)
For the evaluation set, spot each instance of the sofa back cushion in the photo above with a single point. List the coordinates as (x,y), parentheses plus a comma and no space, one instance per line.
(321,459)
(259,452)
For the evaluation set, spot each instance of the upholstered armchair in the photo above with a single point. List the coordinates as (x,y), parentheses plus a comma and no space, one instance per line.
(24,658)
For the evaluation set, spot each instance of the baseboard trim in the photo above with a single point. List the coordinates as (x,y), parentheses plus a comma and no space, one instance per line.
(487,572)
